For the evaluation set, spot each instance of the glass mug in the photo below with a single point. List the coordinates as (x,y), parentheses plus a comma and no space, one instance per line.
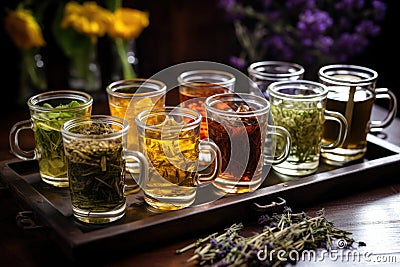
(196,85)
(263,73)
(96,153)
(238,124)
(127,98)
(352,92)
(300,107)
(48,111)
(169,137)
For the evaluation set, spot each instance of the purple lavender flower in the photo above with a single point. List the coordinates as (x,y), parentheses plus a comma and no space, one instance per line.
(346,5)
(305,31)
(368,27)
(314,22)
(237,62)
(379,11)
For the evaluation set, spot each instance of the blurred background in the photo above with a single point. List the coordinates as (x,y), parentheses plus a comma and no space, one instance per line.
(179,31)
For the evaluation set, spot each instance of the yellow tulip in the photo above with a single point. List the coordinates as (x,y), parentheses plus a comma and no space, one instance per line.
(23,29)
(128,23)
(88,18)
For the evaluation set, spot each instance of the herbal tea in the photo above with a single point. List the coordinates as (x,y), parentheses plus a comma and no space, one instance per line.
(128,108)
(356,140)
(238,124)
(304,121)
(173,159)
(240,140)
(352,92)
(46,127)
(237,132)
(300,107)
(169,137)
(96,170)
(193,98)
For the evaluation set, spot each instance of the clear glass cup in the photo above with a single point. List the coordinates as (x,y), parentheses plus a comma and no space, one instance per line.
(127,98)
(196,85)
(263,73)
(96,153)
(238,124)
(300,107)
(169,137)
(48,111)
(353,92)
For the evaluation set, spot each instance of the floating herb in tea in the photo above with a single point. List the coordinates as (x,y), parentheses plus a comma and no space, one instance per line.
(47,126)
(244,134)
(96,170)
(304,121)
(286,232)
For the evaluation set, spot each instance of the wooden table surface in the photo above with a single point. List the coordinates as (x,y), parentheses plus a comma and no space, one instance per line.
(373,216)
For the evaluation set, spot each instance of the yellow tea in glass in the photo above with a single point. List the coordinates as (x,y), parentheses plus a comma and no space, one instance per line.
(126,98)
(195,86)
(169,138)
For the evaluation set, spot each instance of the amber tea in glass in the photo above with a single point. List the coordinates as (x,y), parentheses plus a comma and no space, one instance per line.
(224,135)
(237,123)
(170,139)
(126,98)
(352,92)
(363,101)
(195,86)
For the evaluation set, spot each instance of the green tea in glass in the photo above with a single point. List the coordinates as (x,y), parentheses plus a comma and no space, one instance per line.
(49,110)
(300,107)
(97,154)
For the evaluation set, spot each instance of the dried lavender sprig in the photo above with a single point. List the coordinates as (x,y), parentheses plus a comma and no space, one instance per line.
(291,232)
(231,231)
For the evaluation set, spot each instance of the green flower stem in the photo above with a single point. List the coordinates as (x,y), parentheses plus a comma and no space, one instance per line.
(29,64)
(127,70)
(82,58)
(113,4)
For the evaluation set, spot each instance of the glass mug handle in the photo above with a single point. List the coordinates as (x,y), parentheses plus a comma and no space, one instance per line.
(133,159)
(343,126)
(385,93)
(14,140)
(208,171)
(283,134)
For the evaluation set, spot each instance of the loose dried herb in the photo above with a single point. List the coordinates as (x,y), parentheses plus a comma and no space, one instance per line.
(287,232)
(96,170)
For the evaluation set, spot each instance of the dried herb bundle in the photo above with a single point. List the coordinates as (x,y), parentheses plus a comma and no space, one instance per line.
(287,232)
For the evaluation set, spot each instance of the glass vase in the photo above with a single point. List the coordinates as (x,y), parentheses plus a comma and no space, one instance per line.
(32,75)
(126,61)
(84,71)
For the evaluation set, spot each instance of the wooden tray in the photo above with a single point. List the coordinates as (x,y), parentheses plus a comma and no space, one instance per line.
(143,227)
